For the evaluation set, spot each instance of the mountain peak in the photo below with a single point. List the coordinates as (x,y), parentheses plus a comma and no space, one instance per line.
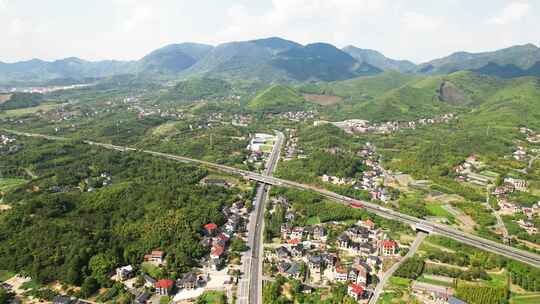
(378,60)
(276,43)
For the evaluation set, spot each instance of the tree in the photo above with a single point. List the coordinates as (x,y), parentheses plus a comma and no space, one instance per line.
(101,265)
(238,245)
(89,287)
(5,296)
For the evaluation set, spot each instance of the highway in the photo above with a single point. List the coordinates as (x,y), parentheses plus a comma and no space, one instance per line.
(444,230)
(252,277)
(420,236)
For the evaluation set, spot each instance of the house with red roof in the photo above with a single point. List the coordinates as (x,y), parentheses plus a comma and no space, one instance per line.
(216,254)
(210,229)
(355,291)
(164,287)
(388,247)
(294,241)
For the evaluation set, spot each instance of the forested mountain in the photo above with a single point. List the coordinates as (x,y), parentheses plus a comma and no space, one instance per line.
(273,60)
(39,70)
(378,60)
(515,61)
(277,98)
(276,59)
(173,58)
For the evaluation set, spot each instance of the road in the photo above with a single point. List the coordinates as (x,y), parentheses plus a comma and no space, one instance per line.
(420,236)
(250,287)
(500,224)
(444,230)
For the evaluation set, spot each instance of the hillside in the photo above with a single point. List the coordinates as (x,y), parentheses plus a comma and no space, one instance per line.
(238,60)
(20,100)
(280,60)
(271,60)
(39,70)
(515,61)
(378,60)
(320,61)
(489,126)
(173,58)
(412,97)
(198,89)
(277,98)
(370,87)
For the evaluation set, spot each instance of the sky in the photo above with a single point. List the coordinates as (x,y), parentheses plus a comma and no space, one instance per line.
(417,30)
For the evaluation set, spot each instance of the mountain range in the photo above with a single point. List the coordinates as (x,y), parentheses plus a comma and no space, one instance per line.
(273,60)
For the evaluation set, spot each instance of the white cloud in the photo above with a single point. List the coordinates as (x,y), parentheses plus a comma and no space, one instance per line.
(510,13)
(414,21)
(134,14)
(304,20)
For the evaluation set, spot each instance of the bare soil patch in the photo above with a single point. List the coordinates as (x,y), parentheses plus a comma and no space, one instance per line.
(4,98)
(323,100)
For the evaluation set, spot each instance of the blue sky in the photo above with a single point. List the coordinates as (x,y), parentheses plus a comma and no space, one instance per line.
(418,30)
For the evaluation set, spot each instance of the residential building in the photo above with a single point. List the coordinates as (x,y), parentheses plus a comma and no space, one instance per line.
(124,273)
(155,256)
(388,247)
(340,273)
(164,287)
(188,281)
(210,229)
(355,291)
(216,254)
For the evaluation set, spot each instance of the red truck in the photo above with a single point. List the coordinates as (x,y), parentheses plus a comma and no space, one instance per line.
(357,205)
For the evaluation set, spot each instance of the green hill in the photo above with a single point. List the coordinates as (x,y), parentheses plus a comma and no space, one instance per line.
(173,58)
(277,98)
(372,86)
(378,60)
(489,126)
(515,61)
(198,89)
(22,100)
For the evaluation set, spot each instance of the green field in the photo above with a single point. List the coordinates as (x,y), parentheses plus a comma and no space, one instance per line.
(532,298)
(314,220)
(24,111)
(435,282)
(401,282)
(498,280)
(390,298)
(7,184)
(438,210)
(6,275)
(212,297)
(398,289)
(152,270)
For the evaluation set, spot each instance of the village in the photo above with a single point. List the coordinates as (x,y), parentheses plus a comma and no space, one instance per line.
(359,126)
(312,255)
(504,189)
(372,179)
